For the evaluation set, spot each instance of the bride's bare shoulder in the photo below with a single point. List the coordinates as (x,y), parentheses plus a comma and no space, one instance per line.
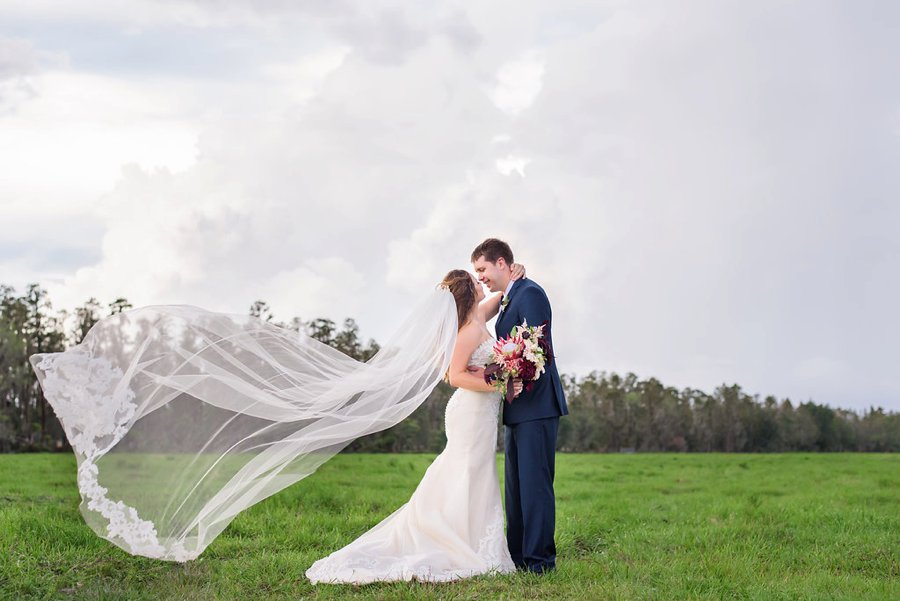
(473,335)
(467,340)
(469,335)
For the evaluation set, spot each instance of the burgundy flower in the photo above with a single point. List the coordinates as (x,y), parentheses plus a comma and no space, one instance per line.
(527,371)
(492,373)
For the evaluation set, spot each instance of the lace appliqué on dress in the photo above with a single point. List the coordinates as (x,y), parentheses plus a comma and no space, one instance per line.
(482,353)
(492,546)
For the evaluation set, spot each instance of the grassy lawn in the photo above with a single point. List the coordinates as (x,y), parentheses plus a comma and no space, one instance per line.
(647,526)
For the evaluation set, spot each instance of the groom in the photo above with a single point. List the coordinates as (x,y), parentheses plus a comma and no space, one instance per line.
(532,420)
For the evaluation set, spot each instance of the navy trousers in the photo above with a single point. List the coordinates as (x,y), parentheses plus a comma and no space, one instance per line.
(530,504)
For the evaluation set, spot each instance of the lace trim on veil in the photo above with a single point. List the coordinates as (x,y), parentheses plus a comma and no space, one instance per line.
(95,422)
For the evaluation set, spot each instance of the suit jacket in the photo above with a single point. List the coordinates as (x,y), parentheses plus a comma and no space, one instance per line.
(528,301)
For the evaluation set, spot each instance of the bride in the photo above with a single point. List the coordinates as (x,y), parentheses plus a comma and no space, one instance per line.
(181,418)
(452,526)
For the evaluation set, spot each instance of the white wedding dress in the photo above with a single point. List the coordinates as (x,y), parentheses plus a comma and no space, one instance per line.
(452,526)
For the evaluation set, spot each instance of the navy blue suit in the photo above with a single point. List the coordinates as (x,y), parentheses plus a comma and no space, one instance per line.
(532,422)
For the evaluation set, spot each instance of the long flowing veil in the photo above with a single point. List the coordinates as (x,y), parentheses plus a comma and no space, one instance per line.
(180,418)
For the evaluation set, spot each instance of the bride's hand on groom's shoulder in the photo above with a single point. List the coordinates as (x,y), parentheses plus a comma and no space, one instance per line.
(517,271)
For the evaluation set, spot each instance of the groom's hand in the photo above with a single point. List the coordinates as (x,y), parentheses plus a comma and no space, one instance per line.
(518,385)
(476,371)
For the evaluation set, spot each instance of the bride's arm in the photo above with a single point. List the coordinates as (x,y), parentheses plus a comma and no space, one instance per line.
(490,306)
(467,341)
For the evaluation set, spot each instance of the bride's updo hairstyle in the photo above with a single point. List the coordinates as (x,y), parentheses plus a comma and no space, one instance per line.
(459,283)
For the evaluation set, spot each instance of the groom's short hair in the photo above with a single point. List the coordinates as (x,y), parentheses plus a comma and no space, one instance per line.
(493,249)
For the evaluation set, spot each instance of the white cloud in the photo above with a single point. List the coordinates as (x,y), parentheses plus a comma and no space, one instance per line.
(17,58)
(328,287)
(70,141)
(709,193)
(506,165)
(518,84)
(18,62)
(300,78)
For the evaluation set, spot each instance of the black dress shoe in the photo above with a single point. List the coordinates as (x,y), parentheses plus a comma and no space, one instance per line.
(542,568)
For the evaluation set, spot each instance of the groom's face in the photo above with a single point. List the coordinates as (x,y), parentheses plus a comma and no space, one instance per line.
(493,275)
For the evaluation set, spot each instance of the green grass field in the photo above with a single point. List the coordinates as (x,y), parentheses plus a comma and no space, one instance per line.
(654,526)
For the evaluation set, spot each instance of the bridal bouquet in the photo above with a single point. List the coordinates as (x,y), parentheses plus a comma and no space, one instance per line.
(523,355)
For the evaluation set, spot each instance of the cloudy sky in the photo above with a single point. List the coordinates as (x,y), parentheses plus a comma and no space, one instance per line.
(709,191)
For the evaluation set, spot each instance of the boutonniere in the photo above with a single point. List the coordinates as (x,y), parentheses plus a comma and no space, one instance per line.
(504,302)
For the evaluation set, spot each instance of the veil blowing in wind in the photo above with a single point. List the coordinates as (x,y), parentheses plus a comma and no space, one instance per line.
(180,418)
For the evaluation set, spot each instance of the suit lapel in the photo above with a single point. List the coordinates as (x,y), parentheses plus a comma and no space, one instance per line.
(504,331)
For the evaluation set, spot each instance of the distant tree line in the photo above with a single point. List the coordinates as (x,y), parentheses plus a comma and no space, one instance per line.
(608,412)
